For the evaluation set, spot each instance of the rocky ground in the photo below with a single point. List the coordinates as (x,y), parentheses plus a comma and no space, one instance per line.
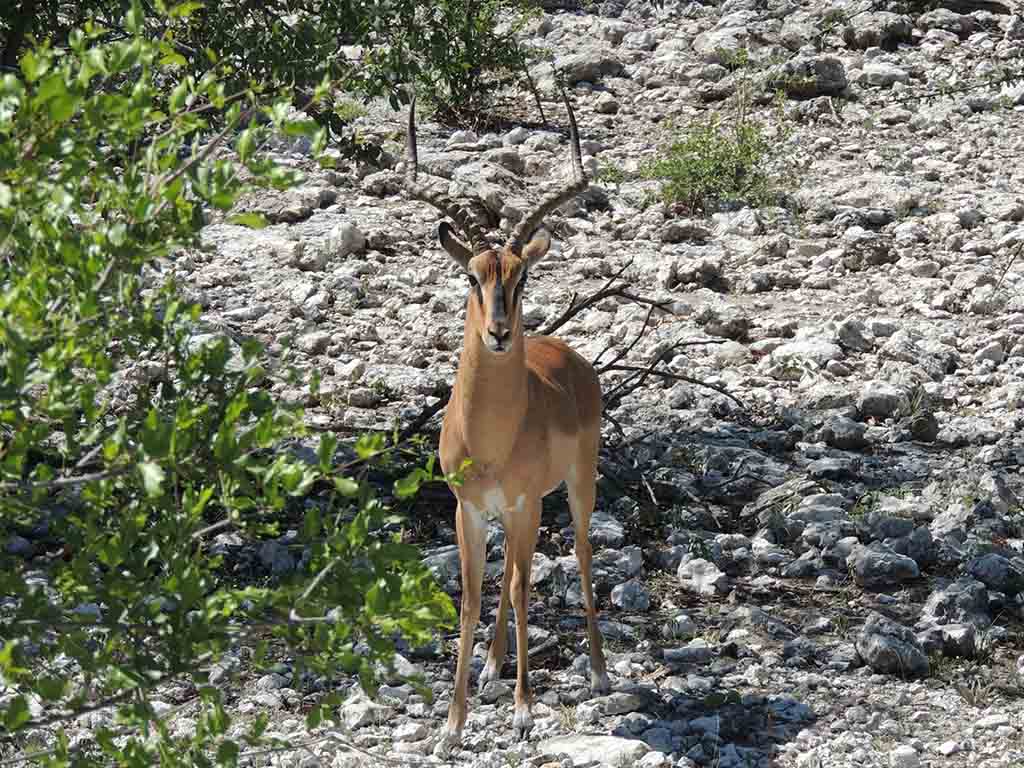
(826,571)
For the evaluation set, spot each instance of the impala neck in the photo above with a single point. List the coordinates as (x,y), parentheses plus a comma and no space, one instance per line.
(491,391)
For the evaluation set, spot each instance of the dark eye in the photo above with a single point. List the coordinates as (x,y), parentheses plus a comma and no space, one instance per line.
(472,281)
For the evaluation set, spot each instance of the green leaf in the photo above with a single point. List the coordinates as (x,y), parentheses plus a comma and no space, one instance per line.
(346,486)
(408,486)
(250,220)
(16,713)
(177,98)
(32,67)
(246,144)
(63,107)
(184,10)
(134,18)
(311,523)
(171,58)
(152,478)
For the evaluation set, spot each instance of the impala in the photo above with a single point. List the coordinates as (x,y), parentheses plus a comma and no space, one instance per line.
(527,413)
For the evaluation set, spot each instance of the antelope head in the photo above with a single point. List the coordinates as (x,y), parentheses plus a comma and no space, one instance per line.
(497,274)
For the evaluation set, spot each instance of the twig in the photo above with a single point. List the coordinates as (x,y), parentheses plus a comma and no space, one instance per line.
(225,523)
(294,616)
(650,371)
(426,415)
(64,482)
(1006,269)
(628,349)
(160,181)
(607,291)
(533,86)
(565,316)
(965,88)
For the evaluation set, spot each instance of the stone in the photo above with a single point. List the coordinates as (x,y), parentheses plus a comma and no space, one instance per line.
(718,46)
(590,65)
(605,530)
(276,556)
(965,601)
(495,690)
(998,572)
(683,231)
(584,749)
(991,722)
(410,731)
(844,434)
(621,703)
(880,400)
(817,351)
(952,640)
(345,239)
(879,29)
(702,577)
(891,648)
(805,77)
(679,627)
(359,711)
(606,104)
(904,757)
(852,335)
(631,596)
(880,73)
(876,566)
(315,342)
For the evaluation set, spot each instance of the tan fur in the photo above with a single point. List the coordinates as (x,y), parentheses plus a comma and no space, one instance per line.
(528,419)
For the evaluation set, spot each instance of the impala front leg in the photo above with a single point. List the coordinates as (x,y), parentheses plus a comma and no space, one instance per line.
(523,542)
(472,533)
(499,645)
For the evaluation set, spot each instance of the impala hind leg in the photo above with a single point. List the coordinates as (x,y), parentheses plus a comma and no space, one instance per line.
(522,539)
(472,533)
(499,645)
(582,494)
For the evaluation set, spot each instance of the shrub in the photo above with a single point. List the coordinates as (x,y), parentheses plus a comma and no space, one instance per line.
(128,440)
(711,164)
(452,50)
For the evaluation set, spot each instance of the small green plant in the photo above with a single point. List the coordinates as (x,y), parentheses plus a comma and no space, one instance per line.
(699,548)
(349,110)
(610,173)
(733,60)
(711,164)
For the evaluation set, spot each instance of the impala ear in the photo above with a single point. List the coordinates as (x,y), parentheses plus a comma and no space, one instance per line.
(535,250)
(456,249)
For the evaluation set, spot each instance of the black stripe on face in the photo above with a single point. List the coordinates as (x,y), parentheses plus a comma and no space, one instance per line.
(499,292)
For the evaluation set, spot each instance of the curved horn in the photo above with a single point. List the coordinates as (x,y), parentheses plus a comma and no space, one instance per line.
(475,235)
(529,223)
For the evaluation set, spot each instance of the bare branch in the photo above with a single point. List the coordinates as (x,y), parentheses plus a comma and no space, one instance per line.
(64,482)
(650,370)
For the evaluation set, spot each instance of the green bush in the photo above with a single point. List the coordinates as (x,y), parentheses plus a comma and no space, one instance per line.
(710,164)
(133,439)
(452,50)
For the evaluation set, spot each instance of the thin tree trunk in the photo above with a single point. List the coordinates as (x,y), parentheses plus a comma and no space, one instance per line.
(21,25)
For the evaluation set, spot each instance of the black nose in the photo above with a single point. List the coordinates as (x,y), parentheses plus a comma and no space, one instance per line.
(500,336)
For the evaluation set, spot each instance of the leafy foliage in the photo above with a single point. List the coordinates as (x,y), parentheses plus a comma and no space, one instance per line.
(710,164)
(451,50)
(129,438)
